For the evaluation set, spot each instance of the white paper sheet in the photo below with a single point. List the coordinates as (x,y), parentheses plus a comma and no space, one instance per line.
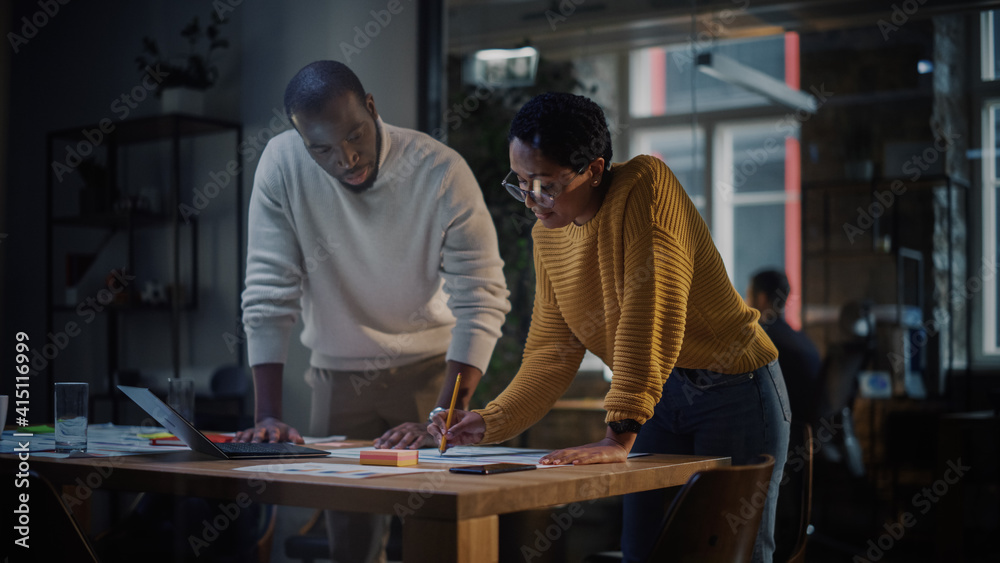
(342,470)
(102,440)
(463,455)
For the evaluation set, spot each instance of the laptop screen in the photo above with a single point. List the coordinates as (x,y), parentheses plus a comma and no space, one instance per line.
(171,420)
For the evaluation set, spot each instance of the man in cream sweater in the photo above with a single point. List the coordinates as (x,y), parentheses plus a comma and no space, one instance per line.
(379,237)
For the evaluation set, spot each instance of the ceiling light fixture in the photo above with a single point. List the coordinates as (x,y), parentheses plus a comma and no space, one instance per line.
(503,67)
(739,74)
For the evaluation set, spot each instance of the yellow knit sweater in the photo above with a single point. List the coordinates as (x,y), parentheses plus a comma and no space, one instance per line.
(642,286)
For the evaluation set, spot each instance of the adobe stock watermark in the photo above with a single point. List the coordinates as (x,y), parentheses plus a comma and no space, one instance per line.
(572,349)
(202,197)
(917,340)
(714,27)
(901,14)
(796,462)
(121,106)
(974,284)
(543,539)
(228,513)
(924,501)
(566,8)
(219,180)
(294,275)
(418,497)
(454,116)
(364,34)
(102,469)
(749,508)
(30,26)
(225,7)
(914,167)
(755,158)
(459,111)
(726,358)
(87,310)
(84,487)
(390,351)
(798,457)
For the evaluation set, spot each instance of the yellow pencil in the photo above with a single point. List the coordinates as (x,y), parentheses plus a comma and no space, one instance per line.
(451,411)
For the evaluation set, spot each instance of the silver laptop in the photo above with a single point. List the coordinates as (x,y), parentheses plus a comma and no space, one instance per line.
(198,442)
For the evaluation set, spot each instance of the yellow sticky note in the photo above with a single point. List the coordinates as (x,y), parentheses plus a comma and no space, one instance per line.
(156,435)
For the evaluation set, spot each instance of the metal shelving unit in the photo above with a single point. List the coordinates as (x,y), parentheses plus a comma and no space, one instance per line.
(104,212)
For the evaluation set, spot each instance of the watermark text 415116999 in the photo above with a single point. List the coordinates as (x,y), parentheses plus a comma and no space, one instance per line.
(22,396)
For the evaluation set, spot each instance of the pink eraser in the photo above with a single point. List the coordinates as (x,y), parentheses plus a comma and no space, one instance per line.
(397,458)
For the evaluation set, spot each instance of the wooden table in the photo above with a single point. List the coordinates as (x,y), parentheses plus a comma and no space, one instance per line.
(446,517)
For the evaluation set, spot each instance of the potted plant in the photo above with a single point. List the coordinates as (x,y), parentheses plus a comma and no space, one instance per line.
(188,75)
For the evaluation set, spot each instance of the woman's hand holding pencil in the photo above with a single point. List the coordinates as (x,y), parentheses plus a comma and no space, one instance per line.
(466,428)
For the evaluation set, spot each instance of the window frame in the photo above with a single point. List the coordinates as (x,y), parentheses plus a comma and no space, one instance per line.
(716,206)
(724,211)
(989,184)
(983,336)
(709,123)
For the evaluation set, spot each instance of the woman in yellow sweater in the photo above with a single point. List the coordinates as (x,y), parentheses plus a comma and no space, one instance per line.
(627,269)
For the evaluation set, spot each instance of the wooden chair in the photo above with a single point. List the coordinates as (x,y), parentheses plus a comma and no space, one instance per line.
(310,543)
(708,519)
(794,512)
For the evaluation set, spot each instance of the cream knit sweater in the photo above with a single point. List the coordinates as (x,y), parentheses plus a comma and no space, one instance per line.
(406,270)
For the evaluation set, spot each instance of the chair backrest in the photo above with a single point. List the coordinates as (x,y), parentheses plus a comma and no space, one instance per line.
(716,515)
(794,509)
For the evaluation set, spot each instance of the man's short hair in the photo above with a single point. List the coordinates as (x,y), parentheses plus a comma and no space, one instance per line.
(318,83)
(774,285)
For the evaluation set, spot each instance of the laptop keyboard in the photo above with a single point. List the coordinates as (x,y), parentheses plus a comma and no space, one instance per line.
(258,448)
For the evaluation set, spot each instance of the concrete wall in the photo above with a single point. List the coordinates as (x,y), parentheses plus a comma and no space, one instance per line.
(71,70)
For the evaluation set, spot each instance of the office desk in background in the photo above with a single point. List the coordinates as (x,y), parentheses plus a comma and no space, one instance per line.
(446,517)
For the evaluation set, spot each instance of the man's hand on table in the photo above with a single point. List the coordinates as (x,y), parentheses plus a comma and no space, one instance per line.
(270,429)
(604,451)
(409,435)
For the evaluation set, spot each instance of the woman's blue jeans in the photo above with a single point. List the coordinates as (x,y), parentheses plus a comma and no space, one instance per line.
(707,413)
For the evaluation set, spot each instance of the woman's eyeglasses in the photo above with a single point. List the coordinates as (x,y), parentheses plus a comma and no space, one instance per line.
(540,195)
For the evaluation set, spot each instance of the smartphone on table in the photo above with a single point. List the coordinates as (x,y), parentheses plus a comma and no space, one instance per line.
(492,468)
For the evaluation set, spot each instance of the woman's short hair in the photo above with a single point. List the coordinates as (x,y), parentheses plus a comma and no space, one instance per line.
(568,129)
